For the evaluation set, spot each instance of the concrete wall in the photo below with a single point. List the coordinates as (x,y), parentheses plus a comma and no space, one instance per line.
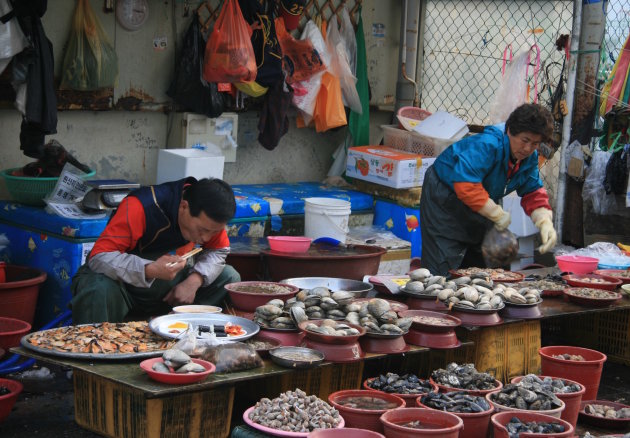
(124,144)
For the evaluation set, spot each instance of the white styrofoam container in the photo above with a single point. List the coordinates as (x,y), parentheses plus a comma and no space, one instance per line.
(521,224)
(175,164)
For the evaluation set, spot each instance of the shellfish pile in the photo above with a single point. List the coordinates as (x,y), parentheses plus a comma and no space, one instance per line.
(496,274)
(516,427)
(534,398)
(377,316)
(405,384)
(177,361)
(567,356)
(586,292)
(316,303)
(474,291)
(552,384)
(463,376)
(460,401)
(294,411)
(332,328)
(606,411)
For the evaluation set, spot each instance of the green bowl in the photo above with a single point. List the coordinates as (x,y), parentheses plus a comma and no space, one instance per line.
(31,190)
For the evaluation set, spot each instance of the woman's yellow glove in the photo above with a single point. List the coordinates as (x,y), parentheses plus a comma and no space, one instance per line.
(496,214)
(543,219)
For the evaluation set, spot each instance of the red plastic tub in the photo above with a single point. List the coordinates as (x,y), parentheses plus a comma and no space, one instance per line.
(248,301)
(476,424)
(571,400)
(289,243)
(11,332)
(410,399)
(363,418)
(437,424)
(587,373)
(18,294)
(346,432)
(577,264)
(7,401)
(501,419)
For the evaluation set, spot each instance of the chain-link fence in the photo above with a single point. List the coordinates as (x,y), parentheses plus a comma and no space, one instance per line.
(464,45)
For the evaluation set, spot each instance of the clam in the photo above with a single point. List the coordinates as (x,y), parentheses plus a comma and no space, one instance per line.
(301,295)
(342,297)
(391,328)
(467,304)
(268,311)
(378,306)
(364,310)
(328,323)
(471,294)
(482,282)
(372,327)
(298,315)
(335,313)
(276,302)
(436,279)
(353,307)
(419,274)
(175,358)
(370,318)
(462,280)
(328,303)
(312,300)
(160,367)
(433,287)
(190,367)
(414,286)
(445,294)
(484,305)
(353,318)
(388,317)
(496,301)
(404,323)
(320,291)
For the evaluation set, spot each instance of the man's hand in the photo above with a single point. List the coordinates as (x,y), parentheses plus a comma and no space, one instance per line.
(184,292)
(164,268)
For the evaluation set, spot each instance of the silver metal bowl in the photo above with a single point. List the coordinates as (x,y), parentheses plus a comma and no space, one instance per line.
(358,288)
(287,357)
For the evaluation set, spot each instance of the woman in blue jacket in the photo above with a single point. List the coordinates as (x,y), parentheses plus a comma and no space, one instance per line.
(461,191)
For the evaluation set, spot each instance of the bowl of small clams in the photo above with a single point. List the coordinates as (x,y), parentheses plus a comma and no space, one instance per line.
(515,397)
(591,297)
(176,367)
(329,331)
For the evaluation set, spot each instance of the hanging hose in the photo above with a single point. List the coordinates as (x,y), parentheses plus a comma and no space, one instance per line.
(5,367)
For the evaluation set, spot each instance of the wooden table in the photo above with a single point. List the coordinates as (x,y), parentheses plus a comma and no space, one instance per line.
(116,398)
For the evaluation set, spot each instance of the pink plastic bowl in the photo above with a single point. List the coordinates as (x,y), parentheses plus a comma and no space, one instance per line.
(289,243)
(577,264)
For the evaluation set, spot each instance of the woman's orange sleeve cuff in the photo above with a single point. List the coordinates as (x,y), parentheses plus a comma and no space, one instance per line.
(471,194)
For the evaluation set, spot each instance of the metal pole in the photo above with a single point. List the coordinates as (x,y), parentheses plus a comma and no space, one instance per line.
(566,123)
(406,89)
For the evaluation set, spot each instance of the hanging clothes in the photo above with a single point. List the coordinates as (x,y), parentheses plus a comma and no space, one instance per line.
(33,79)
(359,124)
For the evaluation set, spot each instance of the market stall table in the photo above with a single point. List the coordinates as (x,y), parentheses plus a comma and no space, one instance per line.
(116,398)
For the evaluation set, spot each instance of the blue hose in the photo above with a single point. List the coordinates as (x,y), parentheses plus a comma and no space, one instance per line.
(5,367)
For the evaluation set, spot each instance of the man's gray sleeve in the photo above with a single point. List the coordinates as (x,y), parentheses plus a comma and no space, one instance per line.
(210,264)
(127,268)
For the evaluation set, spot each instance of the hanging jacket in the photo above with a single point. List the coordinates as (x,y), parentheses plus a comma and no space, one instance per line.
(34,68)
(485,158)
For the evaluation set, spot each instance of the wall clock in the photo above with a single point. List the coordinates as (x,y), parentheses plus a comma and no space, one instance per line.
(132,14)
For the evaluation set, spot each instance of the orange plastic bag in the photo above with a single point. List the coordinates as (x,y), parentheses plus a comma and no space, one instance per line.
(300,60)
(229,55)
(329,110)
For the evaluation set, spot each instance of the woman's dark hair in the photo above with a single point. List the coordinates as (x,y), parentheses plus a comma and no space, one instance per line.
(532,118)
(212,196)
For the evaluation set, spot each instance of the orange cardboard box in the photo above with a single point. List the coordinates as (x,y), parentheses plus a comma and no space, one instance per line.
(387,166)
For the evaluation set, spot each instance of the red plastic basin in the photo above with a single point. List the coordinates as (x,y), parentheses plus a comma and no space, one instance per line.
(363,418)
(289,243)
(442,424)
(346,432)
(18,294)
(410,399)
(501,419)
(587,372)
(11,332)
(476,424)
(571,400)
(7,401)
(248,301)
(577,264)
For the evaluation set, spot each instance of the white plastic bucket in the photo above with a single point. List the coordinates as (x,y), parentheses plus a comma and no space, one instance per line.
(326,217)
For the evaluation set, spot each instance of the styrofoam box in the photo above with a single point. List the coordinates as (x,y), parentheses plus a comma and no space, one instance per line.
(521,224)
(175,164)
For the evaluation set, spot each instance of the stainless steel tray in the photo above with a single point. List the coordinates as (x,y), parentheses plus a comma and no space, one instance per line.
(358,288)
(157,325)
(312,357)
(100,356)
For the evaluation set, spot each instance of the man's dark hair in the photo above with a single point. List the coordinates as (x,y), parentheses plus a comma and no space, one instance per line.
(212,196)
(532,118)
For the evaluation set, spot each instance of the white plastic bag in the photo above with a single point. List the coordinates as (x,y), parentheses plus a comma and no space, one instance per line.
(340,67)
(347,33)
(512,92)
(12,40)
(305,92)
(593,189)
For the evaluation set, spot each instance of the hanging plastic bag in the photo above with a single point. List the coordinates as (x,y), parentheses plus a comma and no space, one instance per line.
(359,124)
(340,67)
(593,189)
(300,60)
(347,33)
(229,55)
(188,88)
(329,110)
(305,92)
(90,61)
(513,89)
(617,173)
(12,39)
